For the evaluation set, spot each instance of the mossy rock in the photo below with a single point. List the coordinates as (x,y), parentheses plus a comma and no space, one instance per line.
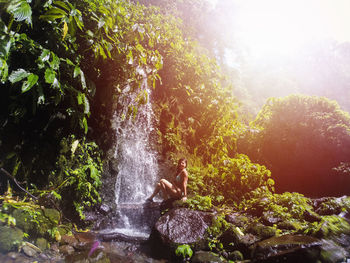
(36,222)
(42,243)
(24,221)
(262,231)
(52,215)
(10,238)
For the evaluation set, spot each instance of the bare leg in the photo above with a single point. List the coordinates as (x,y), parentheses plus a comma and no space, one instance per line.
(167,188)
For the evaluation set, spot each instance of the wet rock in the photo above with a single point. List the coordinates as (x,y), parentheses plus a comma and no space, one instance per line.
(69,240)
(311,216)
(66,249)
(269,219)
(261,231)
(104,209)
(332,252)
(183,225)
(85,240)
(235,256)
(10,238)
(29,251)
(12,255)
(238,219)
(41,243)
(287,248)
(234,239)
(206,257)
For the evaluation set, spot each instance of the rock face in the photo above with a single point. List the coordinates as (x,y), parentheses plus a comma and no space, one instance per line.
(183,226)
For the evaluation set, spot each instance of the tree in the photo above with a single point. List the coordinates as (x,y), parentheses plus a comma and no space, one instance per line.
(305,141)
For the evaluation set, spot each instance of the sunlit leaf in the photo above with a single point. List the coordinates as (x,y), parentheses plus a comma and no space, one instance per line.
(74,146)
(18,75)
(50,75)
(21,10)
(53,14)
(64,30)
(32,79)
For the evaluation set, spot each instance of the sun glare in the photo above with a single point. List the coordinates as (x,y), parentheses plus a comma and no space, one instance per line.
(281,27)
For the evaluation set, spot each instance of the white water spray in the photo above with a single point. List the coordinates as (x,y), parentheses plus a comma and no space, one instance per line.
(137,162)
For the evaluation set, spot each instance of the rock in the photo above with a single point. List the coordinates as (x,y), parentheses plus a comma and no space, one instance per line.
(66,249)
(183,226)
(41,243)
(206,257)
(85,240)
(104,209)
(29,251)
(23,221)
(287,248)
(332,252)
(261,231)
(235,256)
(234,239)
(311,216)
(238,219)
(269,219)
(69,240)
(12,255)
(52,214)
(10,238)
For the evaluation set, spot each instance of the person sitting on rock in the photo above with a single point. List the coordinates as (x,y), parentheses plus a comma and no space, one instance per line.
(176,189)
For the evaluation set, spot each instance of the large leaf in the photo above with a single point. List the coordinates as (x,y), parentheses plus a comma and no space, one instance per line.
(30,82)
(21,10)
(53,14)
(50,75)
(18,75)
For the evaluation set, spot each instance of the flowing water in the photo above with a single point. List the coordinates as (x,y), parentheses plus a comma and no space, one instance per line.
(137,163)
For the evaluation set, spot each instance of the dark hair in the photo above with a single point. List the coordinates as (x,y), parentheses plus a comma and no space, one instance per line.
(180,160)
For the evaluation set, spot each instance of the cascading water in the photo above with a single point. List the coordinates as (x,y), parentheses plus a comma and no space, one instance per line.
(137,162)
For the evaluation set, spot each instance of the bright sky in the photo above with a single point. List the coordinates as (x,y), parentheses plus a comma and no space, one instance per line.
(282,26)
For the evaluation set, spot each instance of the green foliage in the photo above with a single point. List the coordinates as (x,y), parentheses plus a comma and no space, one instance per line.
(198,202)
(289,131)
(231,180)
(78,175)
(184,251)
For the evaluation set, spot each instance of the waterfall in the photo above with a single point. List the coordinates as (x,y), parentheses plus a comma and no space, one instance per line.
(137,161)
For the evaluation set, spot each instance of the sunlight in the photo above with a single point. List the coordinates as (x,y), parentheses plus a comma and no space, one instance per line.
(281,27)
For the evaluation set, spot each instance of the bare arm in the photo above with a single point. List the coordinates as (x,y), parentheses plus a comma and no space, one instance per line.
(184,184)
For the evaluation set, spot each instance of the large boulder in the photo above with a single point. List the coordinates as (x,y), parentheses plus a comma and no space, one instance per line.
(181,226)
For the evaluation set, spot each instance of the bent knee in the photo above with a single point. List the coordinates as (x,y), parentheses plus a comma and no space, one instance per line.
(162,181)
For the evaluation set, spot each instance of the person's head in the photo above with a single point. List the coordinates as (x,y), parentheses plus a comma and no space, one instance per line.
(182,164)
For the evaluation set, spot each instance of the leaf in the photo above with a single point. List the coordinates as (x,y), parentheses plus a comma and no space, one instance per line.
(30,82)
(86,105)
(53,14)
(20,10)
(45,55)
(55,62)
(3,69)
(63,5)
(5,45)
(18,75)
(50,75)
(74,146)
(41,96)
(64,30)
(84,125)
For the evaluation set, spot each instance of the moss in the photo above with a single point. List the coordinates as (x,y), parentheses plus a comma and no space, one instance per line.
(10,238)
(332,225)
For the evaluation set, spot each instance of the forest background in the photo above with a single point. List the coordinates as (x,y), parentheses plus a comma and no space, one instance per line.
(63,65)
